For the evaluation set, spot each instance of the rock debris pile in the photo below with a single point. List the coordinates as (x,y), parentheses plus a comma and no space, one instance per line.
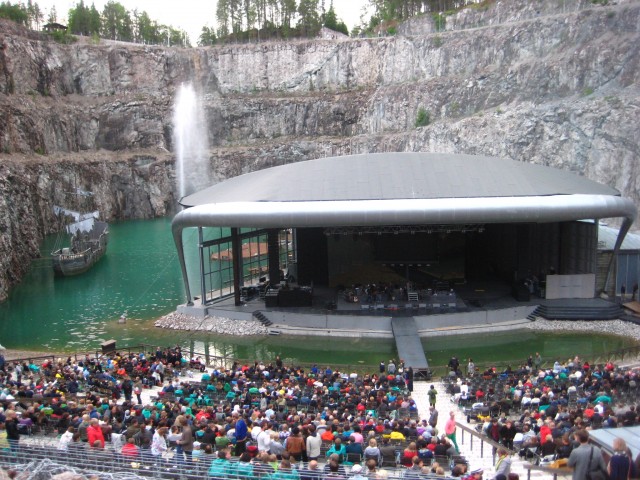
(612,327)
(219,325)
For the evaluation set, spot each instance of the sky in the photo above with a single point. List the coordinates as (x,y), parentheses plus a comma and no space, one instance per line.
(191,15)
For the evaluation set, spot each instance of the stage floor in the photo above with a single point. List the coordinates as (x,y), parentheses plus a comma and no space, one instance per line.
(469,297)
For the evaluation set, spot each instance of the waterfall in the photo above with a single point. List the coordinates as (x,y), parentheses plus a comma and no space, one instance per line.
(190,142)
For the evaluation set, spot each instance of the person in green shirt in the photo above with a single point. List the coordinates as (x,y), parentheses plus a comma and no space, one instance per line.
(433,393)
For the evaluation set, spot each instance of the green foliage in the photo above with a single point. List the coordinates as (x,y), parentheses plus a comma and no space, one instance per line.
(600,2)
(392,31)
(331,21)
(437,41)
(84,20)
(15,12)
(423,118)
(207,37)
(586,91)
(117,23)
(439,21)
(309,23)
(399,10)
(62,36)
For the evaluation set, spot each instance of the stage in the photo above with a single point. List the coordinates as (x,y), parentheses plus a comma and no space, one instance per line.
(474,307)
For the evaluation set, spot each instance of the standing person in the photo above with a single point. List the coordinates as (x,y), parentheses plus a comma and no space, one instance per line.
(453,364)
(295,444)
(586,459)
(623,292)
(313,443)
(450,430)
(620,466)
(94,434)
(537,361)
(391,368)
(382,367)
(409,374)
(186,439)
(433,416)
(159,442)
(433,393)
(634,292)
(471,368)
(503,465)
(242,433)
(11,425)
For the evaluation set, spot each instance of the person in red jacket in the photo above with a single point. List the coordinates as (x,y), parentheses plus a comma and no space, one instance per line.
(130,449)
(95,435)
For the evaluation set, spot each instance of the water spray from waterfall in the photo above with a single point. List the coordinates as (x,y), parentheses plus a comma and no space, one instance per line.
(190,141)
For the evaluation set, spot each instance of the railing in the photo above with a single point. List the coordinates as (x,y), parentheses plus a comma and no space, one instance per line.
(37,462)
(562,472)
(615,356)
(225,361)
(483,439)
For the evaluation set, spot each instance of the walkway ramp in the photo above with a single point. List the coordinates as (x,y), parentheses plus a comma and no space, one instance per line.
(405,331)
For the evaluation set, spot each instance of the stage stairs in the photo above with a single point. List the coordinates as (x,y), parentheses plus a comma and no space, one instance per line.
(576,311)
(262,318)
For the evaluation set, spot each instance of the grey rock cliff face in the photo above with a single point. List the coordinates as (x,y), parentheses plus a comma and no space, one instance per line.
(554,83)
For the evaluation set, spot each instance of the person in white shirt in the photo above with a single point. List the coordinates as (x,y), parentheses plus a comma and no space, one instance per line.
(65,439)
(159,442)
(264,437)
(313,443)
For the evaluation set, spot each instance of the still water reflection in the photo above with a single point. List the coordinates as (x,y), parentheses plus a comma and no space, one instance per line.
(140,274)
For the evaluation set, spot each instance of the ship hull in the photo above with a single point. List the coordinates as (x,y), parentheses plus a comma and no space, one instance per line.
(69,263)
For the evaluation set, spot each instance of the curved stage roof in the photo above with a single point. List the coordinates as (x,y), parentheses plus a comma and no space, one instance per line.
(394,176)
(401,189)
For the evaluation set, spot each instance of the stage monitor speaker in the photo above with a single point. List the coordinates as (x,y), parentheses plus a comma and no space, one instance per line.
(108,346)
(521,293)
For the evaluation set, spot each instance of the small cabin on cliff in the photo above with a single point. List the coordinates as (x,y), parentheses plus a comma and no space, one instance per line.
(54,27)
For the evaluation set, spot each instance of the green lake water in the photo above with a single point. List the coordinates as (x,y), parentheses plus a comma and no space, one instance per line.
(140,274)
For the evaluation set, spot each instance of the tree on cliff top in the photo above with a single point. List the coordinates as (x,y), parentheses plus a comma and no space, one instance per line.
(330,20)
(84,20)
(17,13)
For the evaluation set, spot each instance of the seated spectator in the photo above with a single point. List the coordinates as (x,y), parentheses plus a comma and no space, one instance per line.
(414,472)
(408,454)
(352,446)
(220,468)
(373,452)
(130,449)
(312,472)
(548,447)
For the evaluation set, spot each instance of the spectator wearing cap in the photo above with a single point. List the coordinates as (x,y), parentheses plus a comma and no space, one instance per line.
(356,473)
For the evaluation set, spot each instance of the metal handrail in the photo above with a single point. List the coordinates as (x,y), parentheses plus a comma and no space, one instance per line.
(483,439)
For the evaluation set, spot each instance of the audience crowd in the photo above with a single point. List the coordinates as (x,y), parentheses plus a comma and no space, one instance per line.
(275,421)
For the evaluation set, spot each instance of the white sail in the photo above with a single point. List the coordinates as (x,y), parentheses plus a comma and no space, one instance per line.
(83,226)
(77,216)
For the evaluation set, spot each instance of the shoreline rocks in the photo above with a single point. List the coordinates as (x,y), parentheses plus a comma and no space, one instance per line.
(610,327)
(209,324)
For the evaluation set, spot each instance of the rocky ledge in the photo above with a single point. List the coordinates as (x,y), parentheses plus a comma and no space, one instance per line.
(611,327)
(219,325)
